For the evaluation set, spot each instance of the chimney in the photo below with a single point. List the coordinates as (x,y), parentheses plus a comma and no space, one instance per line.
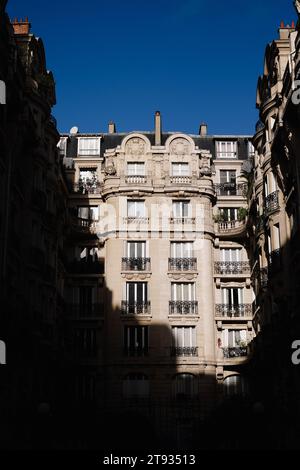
(203,129)
(21,27)
(111,127)
(285,30)
(157,128)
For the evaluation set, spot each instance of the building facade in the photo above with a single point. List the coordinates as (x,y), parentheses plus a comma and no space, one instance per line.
(274,229)
(32,214)
(158,283)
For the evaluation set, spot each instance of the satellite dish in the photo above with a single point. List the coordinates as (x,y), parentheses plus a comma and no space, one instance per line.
(74,130)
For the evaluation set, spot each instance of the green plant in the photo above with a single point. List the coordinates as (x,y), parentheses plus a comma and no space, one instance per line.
(242,213)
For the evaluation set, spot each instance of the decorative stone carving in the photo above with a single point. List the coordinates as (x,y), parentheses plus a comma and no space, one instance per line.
(297,6)
(110,170)
(205,164)
(135,146)
(180,147)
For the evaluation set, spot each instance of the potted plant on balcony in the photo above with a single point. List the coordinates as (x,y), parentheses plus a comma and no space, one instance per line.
(242,214)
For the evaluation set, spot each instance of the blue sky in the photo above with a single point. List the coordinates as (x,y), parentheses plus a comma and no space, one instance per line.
(194,60)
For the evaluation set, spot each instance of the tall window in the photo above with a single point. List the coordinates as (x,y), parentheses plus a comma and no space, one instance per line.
(184,341)
(232,296)
(234,338)
(86,341)
(88,213)
(136,340)
(85,300)
(180,169)
(228,182)
(136,249)
(136,169)
(184,386)
(183,291)
(89,146)
(136,292)
(136,386)
(181,249)
(226,149)
(181,209)
(229,214)
(87,174)
(230,255)
(235,385)
(136,209)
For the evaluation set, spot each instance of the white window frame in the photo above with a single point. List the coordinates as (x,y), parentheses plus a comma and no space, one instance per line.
(180,167)
(180,339)
(230,150)
(178,209)
(185,249)
(136,169)
(137,205)
(182,287)
(90,151)
(231,252)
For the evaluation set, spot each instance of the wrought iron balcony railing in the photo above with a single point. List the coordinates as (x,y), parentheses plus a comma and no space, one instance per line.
(271,203)
(239,351)
(232,267)
(183,307)
(191,351)
(182,264)
(135,308)
(86,267)
(136,352)
(234,311)
(135,264)
(85,310)
(136,179)
(231,189)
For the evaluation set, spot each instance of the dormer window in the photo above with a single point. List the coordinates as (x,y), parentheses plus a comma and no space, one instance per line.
(226,149)
(89,146)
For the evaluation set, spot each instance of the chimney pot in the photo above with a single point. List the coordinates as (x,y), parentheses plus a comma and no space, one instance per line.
(282,24)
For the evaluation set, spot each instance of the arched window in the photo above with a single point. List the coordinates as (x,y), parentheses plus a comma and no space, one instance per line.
(136,385)
(184,386)
(235,385)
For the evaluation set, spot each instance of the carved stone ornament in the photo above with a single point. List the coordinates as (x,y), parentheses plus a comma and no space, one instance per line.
(110,169)
(297,6)
(135,146)
(180,147)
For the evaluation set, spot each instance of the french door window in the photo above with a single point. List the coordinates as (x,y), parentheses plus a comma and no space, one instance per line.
(136,169)
(136,340)
(181,209)
(180,169)
(226,149)
(136,209)
(184,341)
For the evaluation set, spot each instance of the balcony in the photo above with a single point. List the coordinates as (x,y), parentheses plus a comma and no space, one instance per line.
(135,264)
(183,307)
(182,220)
(87,187)
(180,180)
(234,311)
(190,351)
(136,179)
(135,308)
(86,267)
(136,352)
(231,353)
(232,227)
(136,220)
(232,267)
(78,311)
(84,225)
(182,264)
(271,203)
(231,189)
